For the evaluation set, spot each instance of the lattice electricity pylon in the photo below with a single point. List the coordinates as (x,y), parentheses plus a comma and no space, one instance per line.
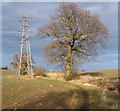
(25,57)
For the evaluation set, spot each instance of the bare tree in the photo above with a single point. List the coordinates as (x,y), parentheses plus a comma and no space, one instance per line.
(77,35)
(15,63)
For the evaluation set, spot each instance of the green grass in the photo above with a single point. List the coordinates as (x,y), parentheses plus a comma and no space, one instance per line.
(47,94)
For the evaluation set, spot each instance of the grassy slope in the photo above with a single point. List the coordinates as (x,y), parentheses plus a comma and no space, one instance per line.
(36,93)
(105,73)
(45,93)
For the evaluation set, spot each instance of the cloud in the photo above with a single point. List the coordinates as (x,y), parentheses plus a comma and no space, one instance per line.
(109,63)
(111,55)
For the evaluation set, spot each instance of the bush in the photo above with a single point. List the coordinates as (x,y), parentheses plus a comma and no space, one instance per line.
(39,71)
(82,70)
(70,77)
(4,68)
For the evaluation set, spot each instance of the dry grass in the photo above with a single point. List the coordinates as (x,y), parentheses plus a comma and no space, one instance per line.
(53,94)
(113,73)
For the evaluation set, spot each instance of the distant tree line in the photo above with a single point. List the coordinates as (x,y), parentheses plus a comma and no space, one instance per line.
(4,68)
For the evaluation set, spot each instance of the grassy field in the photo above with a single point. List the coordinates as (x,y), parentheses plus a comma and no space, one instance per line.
(104,73)
(50,94)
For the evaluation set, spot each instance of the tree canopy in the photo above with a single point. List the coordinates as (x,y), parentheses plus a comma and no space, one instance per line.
(77,36)
(16,61)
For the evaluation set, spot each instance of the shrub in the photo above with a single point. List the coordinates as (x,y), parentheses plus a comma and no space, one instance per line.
(82,70)
(68,78)
(39,71)
(4,68)
(71,76)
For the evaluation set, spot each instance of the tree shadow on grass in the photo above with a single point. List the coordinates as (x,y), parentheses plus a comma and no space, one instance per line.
(52,100)
(59,100)
(91,74)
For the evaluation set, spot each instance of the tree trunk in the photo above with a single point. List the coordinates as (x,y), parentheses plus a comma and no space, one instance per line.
(68,65)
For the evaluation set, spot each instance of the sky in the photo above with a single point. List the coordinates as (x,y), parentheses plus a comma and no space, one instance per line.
(40,14)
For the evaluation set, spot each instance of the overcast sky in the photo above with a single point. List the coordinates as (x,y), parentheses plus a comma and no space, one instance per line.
(40,12)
